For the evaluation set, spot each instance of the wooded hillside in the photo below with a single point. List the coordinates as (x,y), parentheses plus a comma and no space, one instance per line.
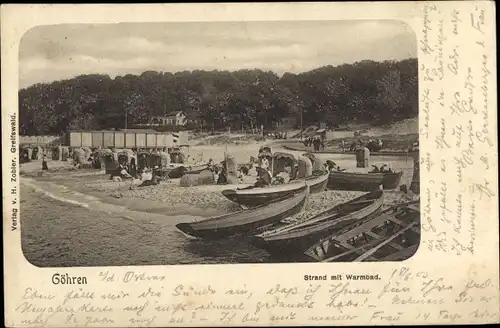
(363,92)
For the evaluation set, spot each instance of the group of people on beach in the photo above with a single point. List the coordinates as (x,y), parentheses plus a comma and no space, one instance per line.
(221,174)
(372,145)
(318,142)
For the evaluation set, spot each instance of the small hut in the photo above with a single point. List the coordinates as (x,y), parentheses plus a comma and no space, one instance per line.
(109,160)
(24,155)
(164,159)
(34,153)
(160,159)
(56,153)
(99,159)
(362,157)
(176,156)
(281,160)
(127,158)
(144,160)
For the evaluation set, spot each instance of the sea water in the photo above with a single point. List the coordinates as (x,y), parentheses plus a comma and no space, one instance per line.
(61,227)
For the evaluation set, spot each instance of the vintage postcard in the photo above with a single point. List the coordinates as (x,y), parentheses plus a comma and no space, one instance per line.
(286,164)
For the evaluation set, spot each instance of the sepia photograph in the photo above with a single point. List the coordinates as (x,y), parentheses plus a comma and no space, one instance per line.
(175,165)
(219,143)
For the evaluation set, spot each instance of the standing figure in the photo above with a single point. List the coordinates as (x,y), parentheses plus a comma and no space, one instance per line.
(44,163)
(264,175)
(316,143)
(222,175)
(133,168)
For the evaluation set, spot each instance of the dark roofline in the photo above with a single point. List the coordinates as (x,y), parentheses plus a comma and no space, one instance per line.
(174,112)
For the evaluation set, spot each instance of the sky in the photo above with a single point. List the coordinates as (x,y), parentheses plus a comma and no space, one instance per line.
(55,52)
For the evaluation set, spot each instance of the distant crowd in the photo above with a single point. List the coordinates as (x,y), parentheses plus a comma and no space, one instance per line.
(372,145)
(318,142)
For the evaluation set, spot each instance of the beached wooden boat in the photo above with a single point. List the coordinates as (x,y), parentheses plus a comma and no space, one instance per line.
(391,180)
(247,221)
(394,235)
(195,169)
(292,240)
(254,196)
(300,147)
(341,180)
(175,171)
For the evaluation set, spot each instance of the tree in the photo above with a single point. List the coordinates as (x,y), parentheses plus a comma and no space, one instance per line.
(364,92)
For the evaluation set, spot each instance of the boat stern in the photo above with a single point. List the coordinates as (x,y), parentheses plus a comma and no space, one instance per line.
(258,241)
(230,194)
(186,230)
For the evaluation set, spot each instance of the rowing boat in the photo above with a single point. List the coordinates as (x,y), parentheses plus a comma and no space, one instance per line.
(393,235)
(195,169)
(254,196)
(302,148)
(317,183)
(247,221)
(292,240)
(341,180)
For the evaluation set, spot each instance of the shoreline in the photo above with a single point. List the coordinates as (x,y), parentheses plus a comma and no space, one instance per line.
(197,202)
(168,198)
(118,223)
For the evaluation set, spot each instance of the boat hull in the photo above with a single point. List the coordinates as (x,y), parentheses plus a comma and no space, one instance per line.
(293,248)
(292,244)
(392,180)
(252,200)
(180,171)
(176,173)
(363,181)
(347,245)
(251,197)
(247,221)
(301,147)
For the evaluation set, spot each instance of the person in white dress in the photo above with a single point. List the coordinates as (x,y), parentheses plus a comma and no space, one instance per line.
(285,176)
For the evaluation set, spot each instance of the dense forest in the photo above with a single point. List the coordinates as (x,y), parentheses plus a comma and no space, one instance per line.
(367,91)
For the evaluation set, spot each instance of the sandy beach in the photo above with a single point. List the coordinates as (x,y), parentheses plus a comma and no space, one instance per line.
(92,195)
(171,199)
